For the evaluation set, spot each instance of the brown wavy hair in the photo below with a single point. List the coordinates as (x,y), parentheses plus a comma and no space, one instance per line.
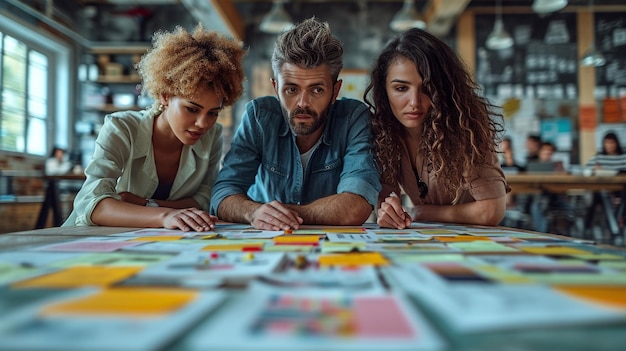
(180,63)
(462,130)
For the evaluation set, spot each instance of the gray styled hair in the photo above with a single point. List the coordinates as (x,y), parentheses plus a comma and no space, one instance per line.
(309,44)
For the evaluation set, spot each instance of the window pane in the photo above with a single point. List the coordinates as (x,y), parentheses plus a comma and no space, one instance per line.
(37,82)
(14,101)
(12,131)
(15,74)
(37,108)
(14,48)
(38,59)
(36,137)
(1,45)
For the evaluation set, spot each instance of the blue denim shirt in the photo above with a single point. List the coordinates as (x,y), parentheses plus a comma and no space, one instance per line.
(264,161)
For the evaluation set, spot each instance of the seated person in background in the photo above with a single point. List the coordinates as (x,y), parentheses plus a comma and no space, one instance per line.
(435,137)
(533,144)
(156,168)
(508,161)
(545,161)
(58,163)
(612,155)
(301,157)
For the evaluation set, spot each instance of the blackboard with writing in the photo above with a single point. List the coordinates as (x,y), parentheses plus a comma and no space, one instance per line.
(610,30)
(542,62)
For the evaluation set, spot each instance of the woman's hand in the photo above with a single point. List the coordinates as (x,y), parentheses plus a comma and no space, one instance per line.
(189,219)
(391,214)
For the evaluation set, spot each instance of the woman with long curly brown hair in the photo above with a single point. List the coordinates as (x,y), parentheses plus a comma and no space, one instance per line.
(434,135)
(157,167)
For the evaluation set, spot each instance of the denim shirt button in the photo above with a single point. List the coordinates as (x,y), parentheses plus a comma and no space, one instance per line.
(327,167)
(273,169)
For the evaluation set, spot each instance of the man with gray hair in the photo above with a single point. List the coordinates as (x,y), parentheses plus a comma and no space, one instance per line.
(301,157)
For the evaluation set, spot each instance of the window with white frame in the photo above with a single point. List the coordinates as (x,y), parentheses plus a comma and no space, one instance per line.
(34,91)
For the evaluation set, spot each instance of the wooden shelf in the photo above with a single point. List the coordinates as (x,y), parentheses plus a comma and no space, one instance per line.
(111,108)
(120,49)
(119,79)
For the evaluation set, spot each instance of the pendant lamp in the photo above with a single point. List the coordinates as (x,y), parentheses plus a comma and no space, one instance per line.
(499,38)
(548,6)
(277,20)
(593,57)
(407,18)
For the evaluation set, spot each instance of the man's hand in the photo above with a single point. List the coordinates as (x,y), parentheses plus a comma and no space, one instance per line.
(275,216)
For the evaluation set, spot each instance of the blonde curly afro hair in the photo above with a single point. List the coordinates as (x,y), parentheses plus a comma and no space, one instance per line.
(181,63)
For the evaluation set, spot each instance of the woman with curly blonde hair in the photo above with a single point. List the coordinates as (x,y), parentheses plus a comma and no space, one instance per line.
(157,167)
(435,137)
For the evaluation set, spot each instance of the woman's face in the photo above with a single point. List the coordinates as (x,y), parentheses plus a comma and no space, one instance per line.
(189,119)
(610,146)
(404,88)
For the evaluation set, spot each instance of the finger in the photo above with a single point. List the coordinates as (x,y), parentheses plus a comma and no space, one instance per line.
(205,220)
(390,216)
(287,218)
(395,203)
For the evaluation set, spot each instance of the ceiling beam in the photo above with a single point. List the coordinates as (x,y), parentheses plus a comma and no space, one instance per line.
(230,16)
(441,15)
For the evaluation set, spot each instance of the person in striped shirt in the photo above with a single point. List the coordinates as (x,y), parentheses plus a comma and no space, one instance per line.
(611,157)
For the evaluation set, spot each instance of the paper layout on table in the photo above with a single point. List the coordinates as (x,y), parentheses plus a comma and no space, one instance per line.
(89,246)
(302,271)
(216,264)
(468,304)
(120,319)
(262,320)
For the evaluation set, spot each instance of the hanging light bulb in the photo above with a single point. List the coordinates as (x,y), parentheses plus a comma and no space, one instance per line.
(499,38)
(277,20)
(547,6)
(593,57)
(407,18)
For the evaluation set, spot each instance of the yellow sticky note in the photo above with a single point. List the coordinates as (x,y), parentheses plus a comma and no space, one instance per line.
(460,238)
(157,238)
(125,301)
(301,239)
(554,250)
(608,295)
(344,230)
(80,276)
(354,259)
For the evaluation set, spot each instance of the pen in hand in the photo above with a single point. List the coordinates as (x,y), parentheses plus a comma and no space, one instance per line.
(404,213)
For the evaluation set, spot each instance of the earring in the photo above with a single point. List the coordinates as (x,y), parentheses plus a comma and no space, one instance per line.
(160,108)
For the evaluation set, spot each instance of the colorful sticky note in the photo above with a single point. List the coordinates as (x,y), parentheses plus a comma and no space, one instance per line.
(80,276)
(608,295)
(297,239)
(461,238)
(125,301)
(553,250)
(354,259)
(235,246)
(157,238)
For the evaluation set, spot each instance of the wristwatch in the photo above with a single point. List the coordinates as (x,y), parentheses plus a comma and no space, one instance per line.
(151,203)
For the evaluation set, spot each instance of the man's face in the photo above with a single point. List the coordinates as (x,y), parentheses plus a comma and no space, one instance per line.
(305,95)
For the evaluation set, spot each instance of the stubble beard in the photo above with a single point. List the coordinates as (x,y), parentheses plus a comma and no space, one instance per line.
(305,128)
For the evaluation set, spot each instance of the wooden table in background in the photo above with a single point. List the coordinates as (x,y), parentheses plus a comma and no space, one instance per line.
(600,186)
(52,201)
